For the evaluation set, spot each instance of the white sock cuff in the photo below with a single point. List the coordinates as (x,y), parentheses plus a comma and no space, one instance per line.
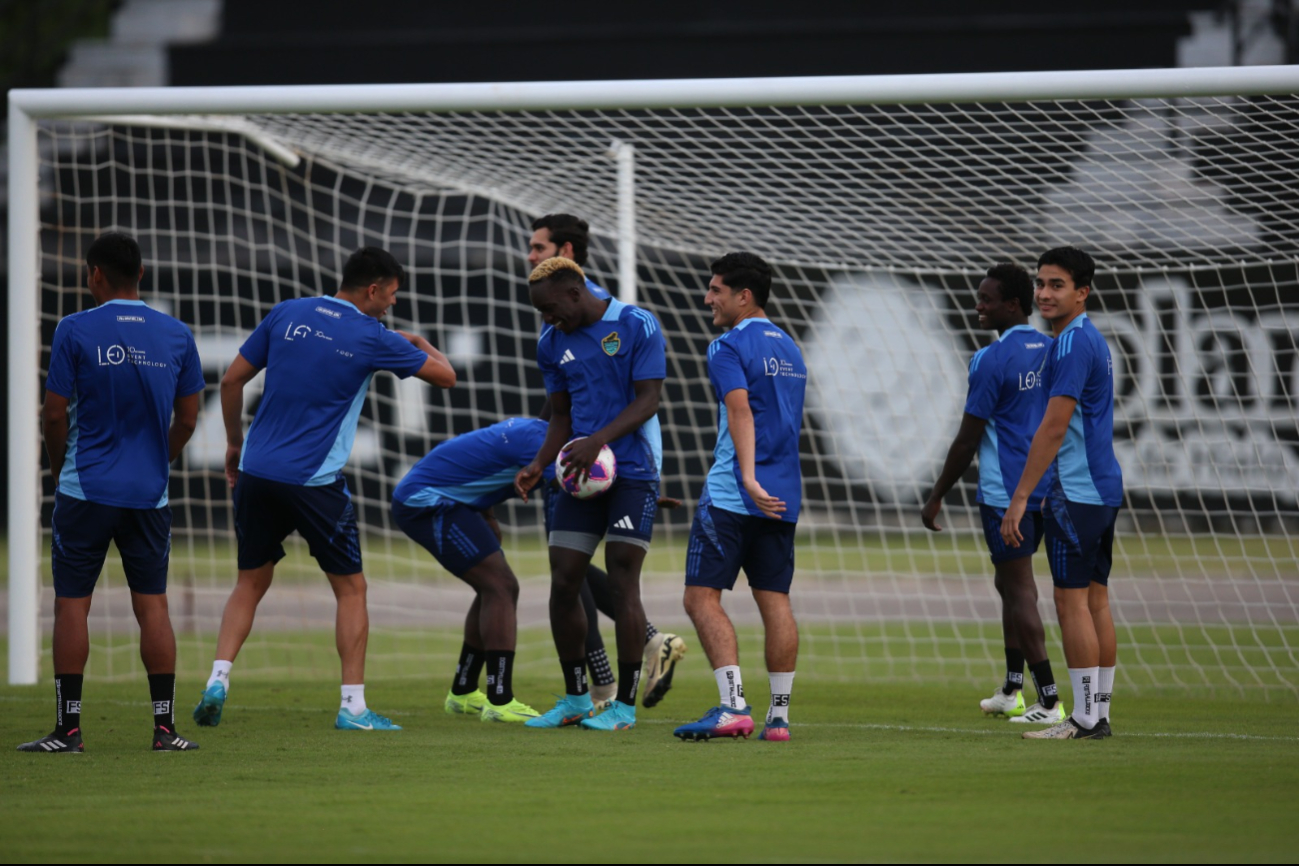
(220,672)
(353,699)
(782,683)
(730,687)
(1085,683)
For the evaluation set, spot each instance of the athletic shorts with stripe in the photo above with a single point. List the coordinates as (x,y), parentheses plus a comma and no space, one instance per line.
(458,536)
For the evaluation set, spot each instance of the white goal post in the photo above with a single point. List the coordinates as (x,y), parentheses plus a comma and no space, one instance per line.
(854,186)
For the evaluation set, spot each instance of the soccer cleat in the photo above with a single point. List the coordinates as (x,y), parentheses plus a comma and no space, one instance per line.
(1102,729)
(465,705)
(208,712)
(56,743)
(169,741)
(1040,715)
(570,710)
(602,696)
(515,711)
(720,722)
(661,656)
(365,721)
(1066,730)
(1002,704)
(776,730)
(618,717)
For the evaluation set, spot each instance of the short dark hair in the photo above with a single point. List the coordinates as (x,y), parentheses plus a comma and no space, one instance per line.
(1079,265)
(745,271)
(370,265)
(118,255)
(566,229)
(1015,284)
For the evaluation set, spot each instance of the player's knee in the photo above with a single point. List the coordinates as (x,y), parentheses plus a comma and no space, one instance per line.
(348,585)
(700,601)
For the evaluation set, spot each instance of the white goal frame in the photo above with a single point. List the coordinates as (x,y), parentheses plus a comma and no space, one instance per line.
(177,107)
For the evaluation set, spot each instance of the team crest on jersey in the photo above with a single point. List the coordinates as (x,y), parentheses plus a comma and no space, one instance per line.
(611,344)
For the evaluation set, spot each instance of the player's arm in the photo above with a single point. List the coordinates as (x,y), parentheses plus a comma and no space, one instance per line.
(1046,445)
(54,427)
(739,421)
(558,431)
(959,457)
(644,406)
(239,374)
(184,420)
(437,370)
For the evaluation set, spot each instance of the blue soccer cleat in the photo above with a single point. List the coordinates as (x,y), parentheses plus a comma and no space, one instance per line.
(616,717)
(570,710)
(208,711)
(718,722)
(366,721)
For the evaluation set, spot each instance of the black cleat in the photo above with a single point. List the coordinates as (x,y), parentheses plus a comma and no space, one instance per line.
(169,741)
(69,743)
(1102,729)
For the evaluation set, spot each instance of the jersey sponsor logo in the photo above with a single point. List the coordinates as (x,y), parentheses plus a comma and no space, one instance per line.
(333,314)
(776,334)
(611,344)
(130,318)
(1034,345)
(293,333)
(1030,380)
(115,355)
(568,356)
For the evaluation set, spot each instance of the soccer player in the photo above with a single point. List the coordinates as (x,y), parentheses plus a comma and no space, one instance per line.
(604,363)
(1002,412)
(751,499)
(121,401)
(567,236)
(1076,439)
(319,355)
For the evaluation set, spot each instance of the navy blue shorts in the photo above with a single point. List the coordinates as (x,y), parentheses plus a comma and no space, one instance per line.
(1030,527)
(267,511)
(722,542)
(81,533)
(458,537)
(623,513)
(1079,542)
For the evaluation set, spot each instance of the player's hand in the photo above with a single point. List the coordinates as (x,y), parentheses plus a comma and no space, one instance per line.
(769,505)
(526,479)
(232,464)
(669,502)
(929,514)
(1010,523)
(581,456)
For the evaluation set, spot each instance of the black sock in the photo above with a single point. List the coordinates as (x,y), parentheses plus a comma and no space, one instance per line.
(628,682)
(467,670)
(1014,671)
(162,690)
(597,661)
(574,676)
(500,676)
(650,631)
(67,694)
(1044,683)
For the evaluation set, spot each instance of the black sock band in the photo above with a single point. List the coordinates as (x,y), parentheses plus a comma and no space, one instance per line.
(67,697)
(500,676)
(162,690)
(1014,671)
(628,682)
(597,662)
(650,631)
(467,670)
(1044,683)
(574,676)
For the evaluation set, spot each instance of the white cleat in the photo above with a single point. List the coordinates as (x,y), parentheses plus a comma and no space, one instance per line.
(1040,715)
(602,696)
(1002,704)
(662,652)
(1066,730)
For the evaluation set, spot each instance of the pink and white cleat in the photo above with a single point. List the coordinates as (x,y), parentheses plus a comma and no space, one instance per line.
(777,730)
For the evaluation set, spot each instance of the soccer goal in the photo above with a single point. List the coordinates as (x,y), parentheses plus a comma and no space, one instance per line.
(880,200)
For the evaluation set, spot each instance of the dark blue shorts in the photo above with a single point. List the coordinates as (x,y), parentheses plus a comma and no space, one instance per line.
(1030,526)
(1079,542)
(624,513)
(267,511)
(81,533)
(458,537)
(722,542)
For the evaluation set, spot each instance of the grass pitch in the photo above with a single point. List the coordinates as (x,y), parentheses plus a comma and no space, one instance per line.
(875,772)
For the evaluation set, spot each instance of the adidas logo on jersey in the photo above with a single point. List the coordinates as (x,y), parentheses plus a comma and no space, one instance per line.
(625,523)
(568,356)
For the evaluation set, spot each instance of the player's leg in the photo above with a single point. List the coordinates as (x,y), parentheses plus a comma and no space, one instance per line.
(351,637)
(604,686)
(465,697)
(1098,601)
(769,566)
(498,597)
(570,554)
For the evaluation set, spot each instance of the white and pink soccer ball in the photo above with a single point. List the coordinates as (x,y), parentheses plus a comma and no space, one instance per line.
(603,471)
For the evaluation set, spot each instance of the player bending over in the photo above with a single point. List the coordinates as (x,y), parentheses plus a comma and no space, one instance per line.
(1002,412)
(567,236)
(319,355)
(748,511)
(120,374)
(604,363)
(1076,439)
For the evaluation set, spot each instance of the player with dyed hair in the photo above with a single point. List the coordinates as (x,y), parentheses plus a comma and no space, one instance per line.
(751,499)
(121,401)
(604,363)
(1076,440)
(319,355)
(1002,412)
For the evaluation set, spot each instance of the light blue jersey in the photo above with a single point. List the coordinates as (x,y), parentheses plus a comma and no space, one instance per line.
(1079,366)
(476,469)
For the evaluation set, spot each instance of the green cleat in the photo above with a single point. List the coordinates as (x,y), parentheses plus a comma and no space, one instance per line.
(618,717)
(465,705)
(515,711)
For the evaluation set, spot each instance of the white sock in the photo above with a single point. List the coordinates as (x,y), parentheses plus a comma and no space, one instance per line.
(781,686)
(354,699)
(220,674)
(1084,695)
(730,689)
(1104,687)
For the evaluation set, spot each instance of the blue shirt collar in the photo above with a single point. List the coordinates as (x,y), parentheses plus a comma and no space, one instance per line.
(615,310)
(1076,323)
(343,302)
(745,323)
(1010,331)
(135,303)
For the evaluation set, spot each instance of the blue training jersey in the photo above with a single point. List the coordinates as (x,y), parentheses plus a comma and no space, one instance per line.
(1079,366)
(319,355)
(760,358)
(597,367)
(476,469)
(121,366)
(1006,391)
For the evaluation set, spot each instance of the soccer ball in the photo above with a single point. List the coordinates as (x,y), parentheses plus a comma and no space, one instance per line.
(603,471)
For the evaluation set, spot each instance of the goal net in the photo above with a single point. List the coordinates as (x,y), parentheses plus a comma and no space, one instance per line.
(880,210)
